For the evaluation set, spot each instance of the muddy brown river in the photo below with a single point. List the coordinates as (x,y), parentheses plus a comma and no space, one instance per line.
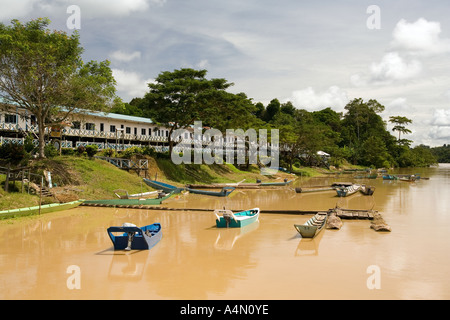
(68,255)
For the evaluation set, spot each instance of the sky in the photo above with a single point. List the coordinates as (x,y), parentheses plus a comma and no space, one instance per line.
(316,54)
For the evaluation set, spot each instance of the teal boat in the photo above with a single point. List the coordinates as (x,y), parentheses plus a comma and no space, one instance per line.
(389,177)
(127,202)
(222,193)
(313,226)
(46,208)
(158,185)
(228,219)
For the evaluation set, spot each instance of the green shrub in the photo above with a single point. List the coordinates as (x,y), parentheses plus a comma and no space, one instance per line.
(91,150)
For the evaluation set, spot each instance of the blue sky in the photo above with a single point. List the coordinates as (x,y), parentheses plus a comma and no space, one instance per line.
(316,54)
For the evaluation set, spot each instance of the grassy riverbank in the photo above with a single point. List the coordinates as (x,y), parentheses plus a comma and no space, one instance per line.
(76,177)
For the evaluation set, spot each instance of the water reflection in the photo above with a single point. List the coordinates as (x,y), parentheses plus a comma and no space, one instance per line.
(195,260)
(227,237)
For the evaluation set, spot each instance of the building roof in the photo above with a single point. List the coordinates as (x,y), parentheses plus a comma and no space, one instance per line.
(117,116)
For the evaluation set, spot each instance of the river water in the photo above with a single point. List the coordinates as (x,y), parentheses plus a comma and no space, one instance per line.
(68,255)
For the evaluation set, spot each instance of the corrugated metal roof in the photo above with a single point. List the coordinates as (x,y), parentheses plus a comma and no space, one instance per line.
(117,116)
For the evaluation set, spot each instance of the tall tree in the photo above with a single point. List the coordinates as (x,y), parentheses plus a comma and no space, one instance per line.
(42,72)
(177,99)
(400,123)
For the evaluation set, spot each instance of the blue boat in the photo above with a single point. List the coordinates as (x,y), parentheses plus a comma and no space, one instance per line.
(158,185)
(134,238)
(222,193)
(389,177)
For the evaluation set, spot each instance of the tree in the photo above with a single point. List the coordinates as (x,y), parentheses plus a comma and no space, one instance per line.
(400,122)
(42,72)
(177,99)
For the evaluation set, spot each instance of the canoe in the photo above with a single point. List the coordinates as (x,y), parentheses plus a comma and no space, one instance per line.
(158,185)
(134,238)
(367,190)
(137,195)
(46,208)
(410,178)
(389,177)
(128,202)
(284,183)
(223,185)
(348,190)
(222,193)
(313,226)
(228,219)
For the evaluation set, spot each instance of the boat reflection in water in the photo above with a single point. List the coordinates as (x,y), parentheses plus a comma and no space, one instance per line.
(227,237)
(309,246)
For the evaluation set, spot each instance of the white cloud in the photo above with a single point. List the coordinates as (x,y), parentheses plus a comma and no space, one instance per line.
(397,106)
(125,56)
(420,37)
(130,84)
(441,117)
(15,9)
(333,97)
(391,68)
(100,8)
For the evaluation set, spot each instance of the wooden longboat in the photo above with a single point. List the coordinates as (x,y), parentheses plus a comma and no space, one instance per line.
(128,202)
(348,191)
(46,208)
(367,190)
(222,193)
(158,185)
(313,226)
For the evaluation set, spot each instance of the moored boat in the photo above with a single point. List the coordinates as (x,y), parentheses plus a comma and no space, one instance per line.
(123,194)
(313,226)
(367,190)
(134,238)
(228,219)
(284,183)
(46,208)
(222,193)
(389,177)
(408,178)
(348,190)
(127,202)
(158,185)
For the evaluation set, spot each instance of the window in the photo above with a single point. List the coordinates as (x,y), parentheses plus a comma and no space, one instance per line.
(150,132)
(135,131)
(143,132)
(112,128)
(10,118)
(90,126)
(76,125)
(102,127)
(128,130)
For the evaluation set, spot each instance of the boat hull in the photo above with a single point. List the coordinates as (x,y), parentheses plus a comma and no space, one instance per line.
(158,185)
(242,219)
(223,193)
(313,226)
(143,238)
(127,202)
(348,191)
(47,208)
